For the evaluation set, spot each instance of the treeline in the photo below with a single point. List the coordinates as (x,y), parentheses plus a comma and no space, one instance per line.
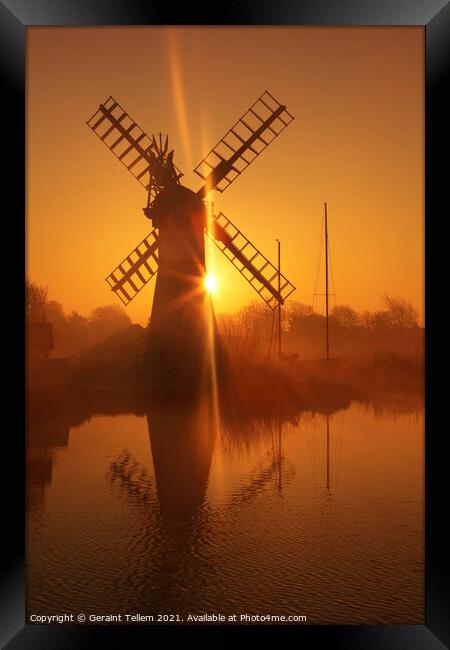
(73,332)
(107,333)
(392,330)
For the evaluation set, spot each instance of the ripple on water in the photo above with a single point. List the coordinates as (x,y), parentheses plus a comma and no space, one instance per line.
(270,536)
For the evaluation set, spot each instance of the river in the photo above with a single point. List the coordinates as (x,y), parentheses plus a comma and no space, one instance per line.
(180,510)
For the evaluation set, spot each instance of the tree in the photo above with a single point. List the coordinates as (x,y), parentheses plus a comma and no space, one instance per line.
(400,312)
(78,333)
(380,320)
(366,319)
(35,300)
(54,312)
(345,316)
(254,323)
(295,313)
(247,332)
(107,320)
(230,336)
(303,320)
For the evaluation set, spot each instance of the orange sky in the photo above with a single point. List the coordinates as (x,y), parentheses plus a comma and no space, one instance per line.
(357,142)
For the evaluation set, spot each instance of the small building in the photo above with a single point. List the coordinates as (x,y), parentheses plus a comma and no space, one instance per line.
(43,370)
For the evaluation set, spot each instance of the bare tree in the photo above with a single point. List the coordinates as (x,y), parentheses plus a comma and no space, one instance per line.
(35,301)
(400,312)
(230,336)
(246,333)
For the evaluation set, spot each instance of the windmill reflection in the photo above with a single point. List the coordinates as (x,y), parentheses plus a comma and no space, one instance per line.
(182,440)
(130,476)
(182,444)
(176,515)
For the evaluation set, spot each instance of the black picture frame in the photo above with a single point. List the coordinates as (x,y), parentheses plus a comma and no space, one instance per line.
(434,15)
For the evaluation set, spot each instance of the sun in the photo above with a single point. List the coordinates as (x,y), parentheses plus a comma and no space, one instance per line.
(210,283)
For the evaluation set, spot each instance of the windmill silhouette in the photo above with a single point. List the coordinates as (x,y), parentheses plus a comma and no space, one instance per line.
(181,318)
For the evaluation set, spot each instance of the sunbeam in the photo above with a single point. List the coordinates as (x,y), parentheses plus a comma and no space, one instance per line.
(178,94)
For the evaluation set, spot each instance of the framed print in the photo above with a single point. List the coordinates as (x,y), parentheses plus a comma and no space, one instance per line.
(232,414)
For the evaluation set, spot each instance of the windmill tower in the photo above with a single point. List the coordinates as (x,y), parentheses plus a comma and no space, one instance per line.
(182,328)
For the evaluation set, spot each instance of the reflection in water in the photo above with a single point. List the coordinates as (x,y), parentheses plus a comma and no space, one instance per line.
(44,437)
(127,473)
(165,510)
(182,441)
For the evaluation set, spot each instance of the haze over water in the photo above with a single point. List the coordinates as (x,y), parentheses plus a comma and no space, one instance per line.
(170,512)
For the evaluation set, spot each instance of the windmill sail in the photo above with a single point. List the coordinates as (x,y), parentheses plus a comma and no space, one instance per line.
(250,262)
(133,273)
(246,139)
(132,146)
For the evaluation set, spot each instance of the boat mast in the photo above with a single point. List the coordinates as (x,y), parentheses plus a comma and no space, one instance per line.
(326,286)
(279,302)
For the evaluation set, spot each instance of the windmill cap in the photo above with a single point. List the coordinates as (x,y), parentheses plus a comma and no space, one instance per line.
(177,202)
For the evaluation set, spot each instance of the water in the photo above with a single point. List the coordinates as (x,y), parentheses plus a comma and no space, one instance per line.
(176,511)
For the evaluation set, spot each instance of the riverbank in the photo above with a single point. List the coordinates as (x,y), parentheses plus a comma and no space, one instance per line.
(264,389)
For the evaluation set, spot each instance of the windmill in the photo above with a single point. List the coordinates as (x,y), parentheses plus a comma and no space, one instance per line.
(181,318)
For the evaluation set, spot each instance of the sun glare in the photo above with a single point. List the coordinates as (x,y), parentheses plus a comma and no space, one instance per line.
(210,283)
